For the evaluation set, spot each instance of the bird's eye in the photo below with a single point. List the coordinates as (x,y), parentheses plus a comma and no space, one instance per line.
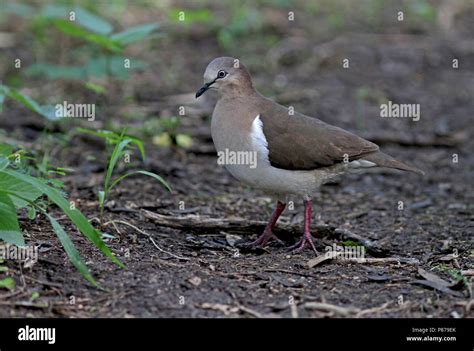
(221,74)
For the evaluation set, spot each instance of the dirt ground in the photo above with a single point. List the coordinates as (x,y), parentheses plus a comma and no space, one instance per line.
(203,273)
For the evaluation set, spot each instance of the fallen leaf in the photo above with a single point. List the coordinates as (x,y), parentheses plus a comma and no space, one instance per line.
(438,286)
(7,283)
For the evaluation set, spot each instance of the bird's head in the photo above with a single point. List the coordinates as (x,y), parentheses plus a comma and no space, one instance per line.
(225,74)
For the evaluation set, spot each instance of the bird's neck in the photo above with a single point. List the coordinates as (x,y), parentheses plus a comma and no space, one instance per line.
(233,91)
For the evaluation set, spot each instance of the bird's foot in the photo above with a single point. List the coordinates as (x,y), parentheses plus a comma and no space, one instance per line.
(264,239)
(300,245)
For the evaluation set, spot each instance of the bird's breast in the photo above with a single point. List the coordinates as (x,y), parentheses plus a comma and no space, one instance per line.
(241,146)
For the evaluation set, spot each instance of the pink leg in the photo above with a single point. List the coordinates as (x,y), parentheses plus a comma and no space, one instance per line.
(268,232)
(307,238)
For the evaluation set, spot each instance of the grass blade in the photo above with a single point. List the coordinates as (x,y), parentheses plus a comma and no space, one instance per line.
(9,227)
(150,174)
(75,215)
(113,161)
(71,250)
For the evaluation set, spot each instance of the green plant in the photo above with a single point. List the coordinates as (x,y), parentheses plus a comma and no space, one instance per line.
(122,144)
(47,111)
(244,20)
(105,46)
(8,282)
(20,190)
(169,134)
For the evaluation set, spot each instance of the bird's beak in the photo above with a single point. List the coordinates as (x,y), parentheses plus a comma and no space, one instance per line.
(204,88)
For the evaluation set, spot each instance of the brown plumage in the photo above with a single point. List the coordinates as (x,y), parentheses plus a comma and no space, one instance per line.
(296,153)
(313,143)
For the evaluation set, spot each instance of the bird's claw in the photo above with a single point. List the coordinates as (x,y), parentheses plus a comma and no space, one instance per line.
(263,240)
(300,245)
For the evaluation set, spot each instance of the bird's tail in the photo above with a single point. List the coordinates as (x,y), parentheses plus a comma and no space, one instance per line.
(384,160)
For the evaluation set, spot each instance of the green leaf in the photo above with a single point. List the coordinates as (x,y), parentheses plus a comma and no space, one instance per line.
(3,162)
(192,16)
(71,250)
(115,138)
(75,215)
(113,161)
(9,227)
(101,196)
(45,111)
(96,88)
(31,213)
(5,150)
(83,18)
(184,140)
(34,296)
(112,65)
(150,174)
(92,22)
(67,27)
(52,71)
(7,283)
(102,133)
(17,189)
(134,34)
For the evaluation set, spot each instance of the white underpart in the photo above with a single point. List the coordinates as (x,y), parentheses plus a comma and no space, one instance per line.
(361,164)
(274,180)
(259,140)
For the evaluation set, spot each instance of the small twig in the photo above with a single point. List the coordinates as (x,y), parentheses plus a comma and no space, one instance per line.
(148,236)
(250,311)
(346,311)
(373,310)
(366,260)
(233,225)
(236,225)
(370,260)
(43,282)
(294,310)
(326,307)
(287,271)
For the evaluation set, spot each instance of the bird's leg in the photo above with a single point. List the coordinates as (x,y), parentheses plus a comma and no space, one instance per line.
(268,232)
(307,238)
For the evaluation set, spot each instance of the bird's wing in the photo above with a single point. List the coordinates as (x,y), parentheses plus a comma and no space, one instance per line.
(299,142)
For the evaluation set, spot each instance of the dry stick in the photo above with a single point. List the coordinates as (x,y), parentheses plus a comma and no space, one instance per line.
(205,225)
(250,311)
(377,260)
(468,272)
(326,307)
(346,311)
(149,237)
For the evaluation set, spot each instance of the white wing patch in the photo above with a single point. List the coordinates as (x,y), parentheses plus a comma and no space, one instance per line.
(361,164)
(259,140)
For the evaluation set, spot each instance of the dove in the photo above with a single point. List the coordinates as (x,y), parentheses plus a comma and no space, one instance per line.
(278,150)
